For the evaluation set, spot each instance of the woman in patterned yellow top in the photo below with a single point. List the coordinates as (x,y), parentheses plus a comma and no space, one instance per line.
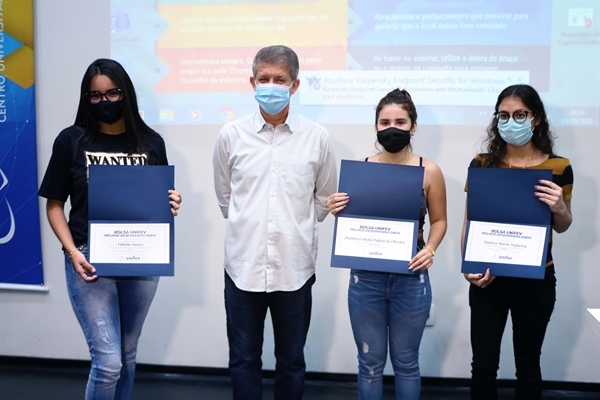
(518,137)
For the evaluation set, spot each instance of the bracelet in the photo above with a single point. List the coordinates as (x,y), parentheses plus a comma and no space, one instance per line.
(73,252)
(430,249)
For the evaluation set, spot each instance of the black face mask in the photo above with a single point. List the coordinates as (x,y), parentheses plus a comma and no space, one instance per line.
(393,139)
(107,111)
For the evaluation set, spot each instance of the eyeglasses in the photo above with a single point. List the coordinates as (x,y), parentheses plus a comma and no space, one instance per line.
(520,116)
(111,95)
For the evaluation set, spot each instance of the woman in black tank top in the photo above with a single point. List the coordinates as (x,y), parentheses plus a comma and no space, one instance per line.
(393,307)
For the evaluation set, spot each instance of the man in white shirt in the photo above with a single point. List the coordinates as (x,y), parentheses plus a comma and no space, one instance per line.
(273,171)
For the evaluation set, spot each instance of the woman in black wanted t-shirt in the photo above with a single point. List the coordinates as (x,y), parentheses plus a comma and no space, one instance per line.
(110,310)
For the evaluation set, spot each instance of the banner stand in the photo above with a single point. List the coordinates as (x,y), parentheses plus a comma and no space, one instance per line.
(27,288)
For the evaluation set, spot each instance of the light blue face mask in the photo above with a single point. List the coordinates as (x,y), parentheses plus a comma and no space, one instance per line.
(271,97)
(515,133)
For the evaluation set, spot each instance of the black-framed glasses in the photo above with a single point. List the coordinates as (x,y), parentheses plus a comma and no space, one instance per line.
(520,116)
(111,95)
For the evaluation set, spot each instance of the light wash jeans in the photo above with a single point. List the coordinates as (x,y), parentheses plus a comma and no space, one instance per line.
(111,312)
(385,306)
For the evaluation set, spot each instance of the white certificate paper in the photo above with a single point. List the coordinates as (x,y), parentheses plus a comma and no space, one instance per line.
(374,238)
(505,243)
(129,243)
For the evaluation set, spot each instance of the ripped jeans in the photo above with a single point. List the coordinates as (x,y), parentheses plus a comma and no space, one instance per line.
(111,312)
(390,306)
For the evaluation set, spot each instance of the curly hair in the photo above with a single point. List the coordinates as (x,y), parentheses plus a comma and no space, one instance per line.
(542,137)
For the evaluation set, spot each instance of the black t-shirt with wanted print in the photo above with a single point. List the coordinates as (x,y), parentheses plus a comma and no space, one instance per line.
(67,172)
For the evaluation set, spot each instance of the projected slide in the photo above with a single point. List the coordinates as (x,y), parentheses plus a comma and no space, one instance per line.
(191,60)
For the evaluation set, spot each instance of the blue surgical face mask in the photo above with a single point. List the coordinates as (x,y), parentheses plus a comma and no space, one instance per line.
(515,133)
(271,97)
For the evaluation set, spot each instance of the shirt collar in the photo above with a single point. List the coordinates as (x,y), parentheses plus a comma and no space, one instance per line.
(259,122)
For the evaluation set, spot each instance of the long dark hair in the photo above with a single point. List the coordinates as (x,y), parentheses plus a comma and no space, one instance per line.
(136,128)
(399,98)
(542,137)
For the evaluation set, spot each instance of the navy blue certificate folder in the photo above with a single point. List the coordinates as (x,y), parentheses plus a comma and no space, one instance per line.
(137,195)
(382,192)
(503,197)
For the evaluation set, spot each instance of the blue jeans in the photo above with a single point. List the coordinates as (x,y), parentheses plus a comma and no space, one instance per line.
(290,314)
(111,312)
(385,306)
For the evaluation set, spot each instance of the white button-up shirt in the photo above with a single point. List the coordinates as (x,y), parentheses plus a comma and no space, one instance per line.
(272,186)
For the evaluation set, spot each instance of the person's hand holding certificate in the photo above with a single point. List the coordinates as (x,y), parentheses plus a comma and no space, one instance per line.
(377,229)
(508,228)
(131,220)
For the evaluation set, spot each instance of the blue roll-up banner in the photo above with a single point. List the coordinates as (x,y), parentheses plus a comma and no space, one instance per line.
(20,243)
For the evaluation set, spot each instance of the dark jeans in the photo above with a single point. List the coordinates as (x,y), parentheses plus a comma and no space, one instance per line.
(530,302)
(246,312)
